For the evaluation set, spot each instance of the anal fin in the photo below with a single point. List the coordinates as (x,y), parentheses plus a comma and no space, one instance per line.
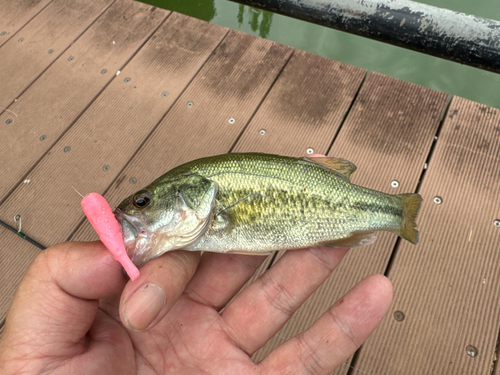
(354,240)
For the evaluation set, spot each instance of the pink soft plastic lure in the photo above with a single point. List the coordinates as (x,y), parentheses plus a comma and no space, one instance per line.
(105,224)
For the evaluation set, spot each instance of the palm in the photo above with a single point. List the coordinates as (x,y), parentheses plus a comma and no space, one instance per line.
(57,325)
(191,339)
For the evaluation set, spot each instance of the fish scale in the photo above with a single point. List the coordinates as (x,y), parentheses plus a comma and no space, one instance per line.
(264,203)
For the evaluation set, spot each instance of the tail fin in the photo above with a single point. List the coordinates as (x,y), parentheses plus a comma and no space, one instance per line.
(411,205)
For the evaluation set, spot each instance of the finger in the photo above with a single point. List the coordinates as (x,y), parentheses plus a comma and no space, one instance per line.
(337,334)
(220,276)
(146,300)
(261,309)
(57,300)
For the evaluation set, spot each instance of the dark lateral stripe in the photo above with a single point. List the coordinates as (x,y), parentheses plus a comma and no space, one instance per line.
(377,208)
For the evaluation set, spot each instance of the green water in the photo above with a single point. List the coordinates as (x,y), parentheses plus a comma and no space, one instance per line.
(438,74)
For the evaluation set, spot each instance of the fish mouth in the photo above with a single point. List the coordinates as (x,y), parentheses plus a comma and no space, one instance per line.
(129,232)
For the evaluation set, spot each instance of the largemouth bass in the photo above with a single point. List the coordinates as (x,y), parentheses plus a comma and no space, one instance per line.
(257,203)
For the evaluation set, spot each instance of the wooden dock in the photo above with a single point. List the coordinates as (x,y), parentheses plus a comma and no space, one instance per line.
(107,95)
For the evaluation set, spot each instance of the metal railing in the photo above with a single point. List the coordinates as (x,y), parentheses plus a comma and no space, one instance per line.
(439,32)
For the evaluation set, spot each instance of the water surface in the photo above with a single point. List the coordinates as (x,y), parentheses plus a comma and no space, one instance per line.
(438,74)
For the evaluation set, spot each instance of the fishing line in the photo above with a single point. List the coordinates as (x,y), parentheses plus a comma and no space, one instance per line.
(17,230)
(5,109)
(77,192)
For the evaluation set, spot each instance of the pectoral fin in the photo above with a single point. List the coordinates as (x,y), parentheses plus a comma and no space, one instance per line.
(354,240)
(341,166)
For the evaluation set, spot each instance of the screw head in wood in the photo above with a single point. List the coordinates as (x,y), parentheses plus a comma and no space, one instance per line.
(438,200)
(399,316)
(262,132)
(395,184)
(310,151)
(471,351)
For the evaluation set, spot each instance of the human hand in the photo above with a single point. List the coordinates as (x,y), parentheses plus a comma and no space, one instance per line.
(57,325)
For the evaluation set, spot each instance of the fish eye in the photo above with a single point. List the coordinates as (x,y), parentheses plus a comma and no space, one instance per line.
(142,199)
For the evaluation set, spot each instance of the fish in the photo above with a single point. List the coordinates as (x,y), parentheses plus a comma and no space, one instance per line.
(254,203)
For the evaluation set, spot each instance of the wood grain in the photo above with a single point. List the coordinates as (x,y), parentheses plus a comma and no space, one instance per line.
(16,14)
(232,84)
(42,41)
(47,109)
(110,131)
(447,286)
(305,107)
(407,109)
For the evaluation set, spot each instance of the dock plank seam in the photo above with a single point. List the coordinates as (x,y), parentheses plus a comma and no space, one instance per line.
(2,110)
(84,108)
(119,174)
(347,112)
(395,249)
(419,183)
(260,104)
(27,22)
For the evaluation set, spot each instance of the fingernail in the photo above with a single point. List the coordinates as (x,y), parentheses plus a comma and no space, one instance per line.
(144,306)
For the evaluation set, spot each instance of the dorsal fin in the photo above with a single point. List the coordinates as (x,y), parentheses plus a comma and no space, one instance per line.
(342,166)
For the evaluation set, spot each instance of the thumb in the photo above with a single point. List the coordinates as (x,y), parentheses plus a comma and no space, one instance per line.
(146,300)
(57,300)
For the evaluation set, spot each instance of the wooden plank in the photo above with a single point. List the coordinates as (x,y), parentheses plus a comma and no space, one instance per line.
(231,84)
(47,108)
(294,117)
(110,131)
(36,46)
(447,286)
(387,134)
(16,14)
(16,255)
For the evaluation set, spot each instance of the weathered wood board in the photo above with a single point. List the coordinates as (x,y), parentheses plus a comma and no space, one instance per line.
(188,89)
(231,85)
(288,122)
(16,14)
(447,286)
(92,153)
(47,109)
(304,109)
(42,41)
(371,138)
